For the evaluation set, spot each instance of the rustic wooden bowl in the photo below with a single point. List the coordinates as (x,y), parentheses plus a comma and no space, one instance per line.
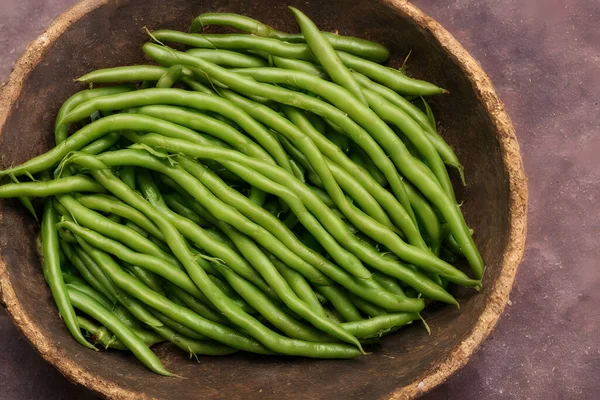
(102,33)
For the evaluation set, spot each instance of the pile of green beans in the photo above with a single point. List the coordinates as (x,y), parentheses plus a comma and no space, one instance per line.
(263,191)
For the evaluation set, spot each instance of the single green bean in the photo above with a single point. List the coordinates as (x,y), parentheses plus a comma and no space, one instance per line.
(326,55)
(77,183)
(102,144)
(53,275)
(375,327)
(228,58)
(170,78)
(427,217)
(363,48)
(124,74)
(299,65)
(127,175)
(61,130)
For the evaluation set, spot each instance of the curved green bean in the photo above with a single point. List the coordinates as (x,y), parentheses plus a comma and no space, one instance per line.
(363,48)
(61,130)
(170,77)
(326,55)
(53,275)
(229,58)
(76,183)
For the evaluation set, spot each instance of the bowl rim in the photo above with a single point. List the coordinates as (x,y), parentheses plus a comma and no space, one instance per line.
(499,294)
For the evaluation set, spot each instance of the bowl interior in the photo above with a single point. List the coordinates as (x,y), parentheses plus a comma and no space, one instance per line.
(112,35)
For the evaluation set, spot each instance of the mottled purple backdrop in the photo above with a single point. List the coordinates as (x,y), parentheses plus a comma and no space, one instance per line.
(544,59)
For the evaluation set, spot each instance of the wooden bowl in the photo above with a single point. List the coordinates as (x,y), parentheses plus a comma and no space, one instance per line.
(102,33)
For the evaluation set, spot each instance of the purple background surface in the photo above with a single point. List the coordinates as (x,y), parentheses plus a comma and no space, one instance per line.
(544,59)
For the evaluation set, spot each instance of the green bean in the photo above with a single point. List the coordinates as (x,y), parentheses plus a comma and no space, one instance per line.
(358,192)
(177,327)
(110,204)
(231,310)
(299,65)
(53,275)
(415,113)
(299,285)
(389,77)
(265,219)
(102,144)
(198,101)
(124,74)
(77,183)
(195,305)
(271,312)
(261,236)
(120,330)
(170,78)
(335,226)
(61,130)
(83,270)
(146,277)
(428,218)
(127,175)
(394,115)
(262,263)
(98,333)
(388,283)
(133,287)
(375,327)
(341,303)
(229,58)
(182,210)
(367,308)
(326,55)
(246,85)
(198,235)
(396,149)
(363,161)
(364,48)
(317,162)
(96,221)
(156,265)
